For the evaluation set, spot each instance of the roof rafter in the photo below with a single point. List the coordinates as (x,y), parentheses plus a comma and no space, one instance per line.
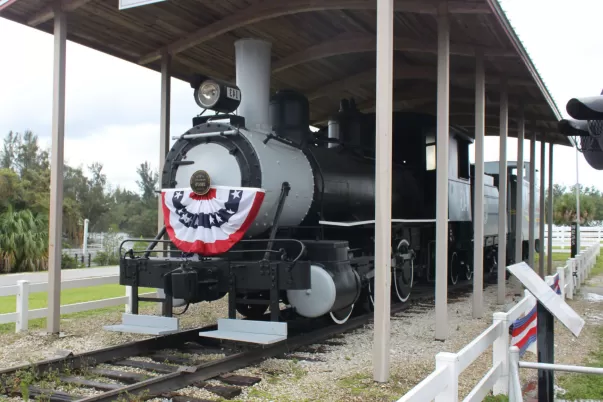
(269,9)
(404,72)
(48,12)
(358,43)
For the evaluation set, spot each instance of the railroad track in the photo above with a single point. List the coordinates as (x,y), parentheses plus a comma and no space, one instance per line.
(176,361)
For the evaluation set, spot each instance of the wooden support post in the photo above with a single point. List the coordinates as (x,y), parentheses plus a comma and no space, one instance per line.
(164,125)
(549,258)
(541,210)
(502,200)
(478,196)
(383,193)
(519,192)
(532,206)
(56,172)
(443,108)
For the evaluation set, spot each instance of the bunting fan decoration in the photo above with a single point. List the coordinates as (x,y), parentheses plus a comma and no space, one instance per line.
(209,224)
(524,329)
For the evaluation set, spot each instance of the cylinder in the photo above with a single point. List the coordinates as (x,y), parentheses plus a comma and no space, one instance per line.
(253,79)
(333,133)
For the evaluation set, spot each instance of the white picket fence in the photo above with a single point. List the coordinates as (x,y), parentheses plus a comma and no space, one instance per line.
(443,384)
(562,237)
(23,288)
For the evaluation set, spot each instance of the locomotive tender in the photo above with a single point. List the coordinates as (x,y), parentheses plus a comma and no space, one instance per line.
(311,244)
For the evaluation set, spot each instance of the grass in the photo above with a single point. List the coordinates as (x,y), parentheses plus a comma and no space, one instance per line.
(557,257)
(69,296)
(585,386)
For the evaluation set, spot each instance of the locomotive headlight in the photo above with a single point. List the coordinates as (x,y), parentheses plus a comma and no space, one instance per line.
(216,95)
(208,94)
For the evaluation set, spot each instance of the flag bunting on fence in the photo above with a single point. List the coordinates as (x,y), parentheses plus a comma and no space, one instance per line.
(209,224)
(524,329)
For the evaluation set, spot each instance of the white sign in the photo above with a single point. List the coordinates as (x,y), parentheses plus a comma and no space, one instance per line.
(123,4)
(553,302)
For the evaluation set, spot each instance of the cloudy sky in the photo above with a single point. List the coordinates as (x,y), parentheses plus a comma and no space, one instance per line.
(112,106)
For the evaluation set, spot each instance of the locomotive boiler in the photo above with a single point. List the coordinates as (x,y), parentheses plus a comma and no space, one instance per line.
(295,223)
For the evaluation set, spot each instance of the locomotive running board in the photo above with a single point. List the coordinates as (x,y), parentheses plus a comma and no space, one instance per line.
(145,324)
(262,332)
(360,223)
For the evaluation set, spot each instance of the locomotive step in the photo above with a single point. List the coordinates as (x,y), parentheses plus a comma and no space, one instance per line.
(249,331)
(145,324)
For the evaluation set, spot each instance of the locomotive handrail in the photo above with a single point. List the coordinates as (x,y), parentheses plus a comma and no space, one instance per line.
(131,251)
(205,135)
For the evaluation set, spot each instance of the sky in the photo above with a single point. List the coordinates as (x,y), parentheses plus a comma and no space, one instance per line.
(112,109)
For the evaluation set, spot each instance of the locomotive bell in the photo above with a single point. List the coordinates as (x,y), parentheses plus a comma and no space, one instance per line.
(200,182)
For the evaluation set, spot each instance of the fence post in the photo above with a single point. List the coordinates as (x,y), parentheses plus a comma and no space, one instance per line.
(570,292)
(22,322)
(129,296)
(514,384)
(450,360)
(500,353)
(561,273)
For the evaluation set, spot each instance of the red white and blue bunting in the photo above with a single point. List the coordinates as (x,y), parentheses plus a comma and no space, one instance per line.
(212,223)
(524,329)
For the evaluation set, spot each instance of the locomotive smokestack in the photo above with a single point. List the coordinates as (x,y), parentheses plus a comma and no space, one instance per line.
(253,78)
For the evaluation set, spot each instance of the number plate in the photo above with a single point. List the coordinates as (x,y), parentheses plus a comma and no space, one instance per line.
(233,93)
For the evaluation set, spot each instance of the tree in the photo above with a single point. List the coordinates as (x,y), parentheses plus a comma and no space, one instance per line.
(9,150)
(148,181)
(24,240)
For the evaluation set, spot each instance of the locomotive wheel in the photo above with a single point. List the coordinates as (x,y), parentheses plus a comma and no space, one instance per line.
(402,271)
(341,316)
(252,310)
(493,264)
(403,276)
(368,297)
(468,271)
(453,270)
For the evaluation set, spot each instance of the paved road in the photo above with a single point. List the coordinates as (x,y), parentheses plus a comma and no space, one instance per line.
(67,274)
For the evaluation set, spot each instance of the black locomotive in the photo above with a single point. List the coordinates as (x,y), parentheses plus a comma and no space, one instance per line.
(311,245)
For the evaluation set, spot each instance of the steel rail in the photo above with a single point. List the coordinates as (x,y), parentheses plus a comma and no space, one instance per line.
(304,332)
(186,376)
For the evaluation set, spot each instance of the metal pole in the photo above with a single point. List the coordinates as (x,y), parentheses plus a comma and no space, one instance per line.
(383,193)
(519,192)
(441,294)
(541,210)
(164,124)
(85,245)
(478,196)
(502,189)
(56,172)
(545,345)
(549,256)
(532,202)
(577,204)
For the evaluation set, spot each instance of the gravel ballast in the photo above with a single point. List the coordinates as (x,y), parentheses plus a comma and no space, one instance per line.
(341,369)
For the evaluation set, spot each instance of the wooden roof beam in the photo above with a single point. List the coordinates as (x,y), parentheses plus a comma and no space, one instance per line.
(269,9)
(47,13)
(402,72)
(358,43)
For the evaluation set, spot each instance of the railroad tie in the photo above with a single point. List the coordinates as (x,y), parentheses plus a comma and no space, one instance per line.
(220,390)
(239,380)
(123,376)
(101,386)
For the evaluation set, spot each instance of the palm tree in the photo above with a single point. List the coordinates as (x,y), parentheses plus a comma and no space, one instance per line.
(23,240)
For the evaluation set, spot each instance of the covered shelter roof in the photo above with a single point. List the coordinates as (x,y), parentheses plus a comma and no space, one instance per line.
(323,48)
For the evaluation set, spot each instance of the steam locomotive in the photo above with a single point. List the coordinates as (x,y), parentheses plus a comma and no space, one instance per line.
(311,242)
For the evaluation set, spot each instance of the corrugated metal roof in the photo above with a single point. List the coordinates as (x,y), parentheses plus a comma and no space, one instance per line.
(319,43)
